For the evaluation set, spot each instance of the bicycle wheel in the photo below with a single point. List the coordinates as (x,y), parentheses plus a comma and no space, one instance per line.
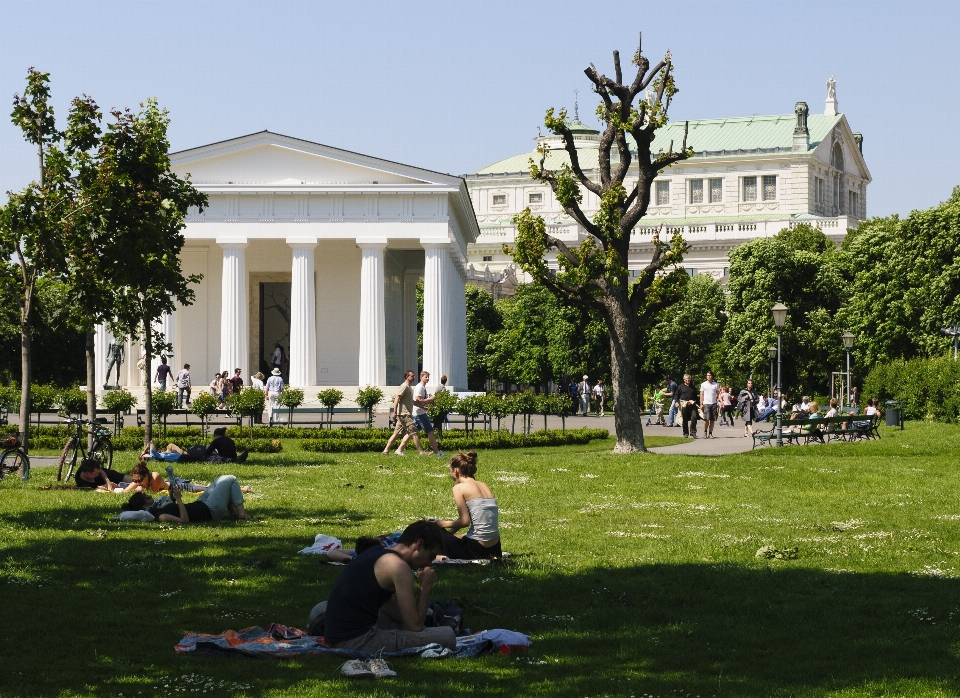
(15,461)
(71,444)
(103,452)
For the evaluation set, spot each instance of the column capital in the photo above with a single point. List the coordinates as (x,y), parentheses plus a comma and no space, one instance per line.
(371,243)
(302,242)
(435,243)
(232,243)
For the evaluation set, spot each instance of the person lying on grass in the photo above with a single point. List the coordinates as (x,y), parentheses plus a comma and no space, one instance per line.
(476,508)
(142,479)
(373,608)
(91,476)
(222,449)
(363,544)
(221,496)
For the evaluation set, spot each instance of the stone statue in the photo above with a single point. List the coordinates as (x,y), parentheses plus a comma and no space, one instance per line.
(114,357)
(831,88)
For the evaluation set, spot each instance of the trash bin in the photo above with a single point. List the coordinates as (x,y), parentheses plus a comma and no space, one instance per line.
(893,413)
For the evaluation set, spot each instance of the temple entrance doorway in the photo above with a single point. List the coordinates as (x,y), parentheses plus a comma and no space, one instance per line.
(274,326)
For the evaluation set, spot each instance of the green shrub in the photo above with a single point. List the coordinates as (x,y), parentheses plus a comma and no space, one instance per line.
(10,397)
(250,402)
(163,402)
(204,404)
(118,401)
(73,401)
(369,397)
(291,397)
(330,398)
(43,397)
(927,389)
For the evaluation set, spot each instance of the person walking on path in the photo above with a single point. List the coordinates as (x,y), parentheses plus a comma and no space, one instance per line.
(687,397)
(402,411)
(747,402)
(184,386)
(421,399)
(236,382)
(726,407)
(583,391)
(709,392)
(274,388)
(163,372)
(670,393)
(598,391)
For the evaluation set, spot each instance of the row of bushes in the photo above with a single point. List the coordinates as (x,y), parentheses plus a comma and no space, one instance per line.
(461,441)
(928,389)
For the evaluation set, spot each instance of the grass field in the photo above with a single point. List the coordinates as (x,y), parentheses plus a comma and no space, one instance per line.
(635,576)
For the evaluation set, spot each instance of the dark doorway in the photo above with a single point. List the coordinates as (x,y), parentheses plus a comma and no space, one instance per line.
(274,324)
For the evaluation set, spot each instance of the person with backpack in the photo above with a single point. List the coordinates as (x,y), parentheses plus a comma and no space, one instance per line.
(183,386)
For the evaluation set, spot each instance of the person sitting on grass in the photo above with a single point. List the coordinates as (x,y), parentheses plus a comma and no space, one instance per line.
(476,508)
(373,608)
(221,496)
(90,476)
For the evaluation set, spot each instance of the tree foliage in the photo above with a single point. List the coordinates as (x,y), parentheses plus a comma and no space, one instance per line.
(593,275)
(483,321)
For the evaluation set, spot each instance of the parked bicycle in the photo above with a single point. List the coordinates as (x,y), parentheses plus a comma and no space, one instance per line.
(76,446)
(14,460)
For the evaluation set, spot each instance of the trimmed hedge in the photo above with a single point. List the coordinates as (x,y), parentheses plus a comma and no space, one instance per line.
(460,441)
(928,389)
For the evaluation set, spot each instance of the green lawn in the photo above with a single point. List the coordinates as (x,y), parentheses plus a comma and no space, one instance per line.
(635,576)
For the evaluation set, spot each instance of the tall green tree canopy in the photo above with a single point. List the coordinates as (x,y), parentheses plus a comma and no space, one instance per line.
(483,321)
(802,268)
(905,283)
(593,275)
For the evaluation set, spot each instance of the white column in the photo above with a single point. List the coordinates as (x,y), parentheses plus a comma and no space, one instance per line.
(234,310)
(169,328)
(373,338)
(435,317)
(303,319)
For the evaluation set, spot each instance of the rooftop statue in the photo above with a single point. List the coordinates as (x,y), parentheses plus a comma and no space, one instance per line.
(831,88)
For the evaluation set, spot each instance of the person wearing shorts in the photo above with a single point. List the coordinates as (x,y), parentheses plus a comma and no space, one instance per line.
(421,399)
(709,392)
(402,410)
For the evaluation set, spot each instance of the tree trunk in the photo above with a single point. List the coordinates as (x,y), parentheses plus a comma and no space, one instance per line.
(26,368)
(91,384)
(147,392)
(622,326)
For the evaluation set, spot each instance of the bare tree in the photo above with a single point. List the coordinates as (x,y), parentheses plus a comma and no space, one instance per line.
(594,274)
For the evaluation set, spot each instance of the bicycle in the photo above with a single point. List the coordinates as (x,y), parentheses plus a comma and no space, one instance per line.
(101,452)
(14,460)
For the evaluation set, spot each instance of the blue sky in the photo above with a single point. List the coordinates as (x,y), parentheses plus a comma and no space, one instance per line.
(454,86)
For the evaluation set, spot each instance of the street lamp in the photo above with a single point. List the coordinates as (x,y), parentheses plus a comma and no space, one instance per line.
(772,354)
(847,338)
(779,312)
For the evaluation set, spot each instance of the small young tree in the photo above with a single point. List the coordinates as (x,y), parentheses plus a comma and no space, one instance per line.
(291,398)
(330,398)
(495,405)
(444,402)
(594,274)
(250,402)
(164,403)
(117,401)
(203,406)
(368,398)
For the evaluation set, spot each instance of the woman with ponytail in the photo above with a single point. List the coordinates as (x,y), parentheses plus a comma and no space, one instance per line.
(476,508)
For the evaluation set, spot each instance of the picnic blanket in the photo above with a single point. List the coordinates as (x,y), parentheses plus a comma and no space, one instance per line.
(284,641)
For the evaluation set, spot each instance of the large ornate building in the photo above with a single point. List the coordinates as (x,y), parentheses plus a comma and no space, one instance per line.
(749,177)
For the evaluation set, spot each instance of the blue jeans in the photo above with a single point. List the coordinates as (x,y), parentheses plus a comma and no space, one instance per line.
(180,393)
(672,416)
(769,412)
(424,422)
(220,494)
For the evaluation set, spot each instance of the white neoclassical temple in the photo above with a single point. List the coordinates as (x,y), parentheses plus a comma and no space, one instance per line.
(749,177)
(321,250)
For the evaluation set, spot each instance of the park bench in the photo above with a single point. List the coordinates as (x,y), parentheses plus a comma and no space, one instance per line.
(187,414)
(321,416)
(848,427)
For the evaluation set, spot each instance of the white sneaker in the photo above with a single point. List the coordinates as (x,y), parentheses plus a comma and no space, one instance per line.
(380,668)
(441,454)
(356,668)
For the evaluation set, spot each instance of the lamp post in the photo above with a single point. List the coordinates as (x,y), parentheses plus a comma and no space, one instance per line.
(848,338)
(772,354)
(779,312)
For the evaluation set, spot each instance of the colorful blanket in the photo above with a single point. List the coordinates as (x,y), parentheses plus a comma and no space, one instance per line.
(283,641)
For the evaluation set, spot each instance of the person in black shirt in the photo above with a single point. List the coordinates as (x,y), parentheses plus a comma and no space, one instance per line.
(91,476)
(670,392)
(372,606)
(688,397)
(223,446)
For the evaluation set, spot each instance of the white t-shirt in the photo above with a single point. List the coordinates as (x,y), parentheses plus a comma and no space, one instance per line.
(710,391)
(870,410)
(598,391)
(256,383)
(419,393)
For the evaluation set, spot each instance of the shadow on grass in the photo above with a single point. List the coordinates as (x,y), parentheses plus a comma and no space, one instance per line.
(704,629)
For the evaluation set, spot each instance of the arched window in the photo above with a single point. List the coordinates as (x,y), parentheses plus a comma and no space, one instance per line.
(837,157)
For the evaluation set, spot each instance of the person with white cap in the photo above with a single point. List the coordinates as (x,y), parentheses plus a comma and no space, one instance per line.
(274,388)
(583,390)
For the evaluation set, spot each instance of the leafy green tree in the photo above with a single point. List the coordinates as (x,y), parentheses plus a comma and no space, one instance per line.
(368,398)
(203,405)
(330,398)
(594,274)
(687,336)
(483,321)
(905,284)
(803,268)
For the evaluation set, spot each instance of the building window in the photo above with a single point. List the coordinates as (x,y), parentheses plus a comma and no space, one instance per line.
(854,204)
(726,271)
(818,191)
(716,190)
(535,198)
(487,258)
(696,191)
(749,188)
(836,192)
(769,187)
(663,193)
(692,272)
(499,199)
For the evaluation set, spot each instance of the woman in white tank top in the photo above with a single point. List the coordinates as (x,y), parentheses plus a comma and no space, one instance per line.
(476,508)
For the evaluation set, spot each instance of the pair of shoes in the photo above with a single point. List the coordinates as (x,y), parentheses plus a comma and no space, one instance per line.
(399,453)
(693,436)
(359,668)
(242,457)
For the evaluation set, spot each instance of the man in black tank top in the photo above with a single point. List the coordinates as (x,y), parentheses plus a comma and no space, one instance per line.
(373,608)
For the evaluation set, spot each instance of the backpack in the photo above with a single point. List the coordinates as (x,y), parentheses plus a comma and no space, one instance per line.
(444,613)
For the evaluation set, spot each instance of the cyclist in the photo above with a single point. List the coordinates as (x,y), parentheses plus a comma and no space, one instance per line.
(91,476)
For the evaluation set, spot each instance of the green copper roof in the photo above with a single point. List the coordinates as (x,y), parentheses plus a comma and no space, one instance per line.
(746,135)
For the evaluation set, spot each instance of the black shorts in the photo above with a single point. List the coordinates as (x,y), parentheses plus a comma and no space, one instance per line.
(710,413)
(469,549)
